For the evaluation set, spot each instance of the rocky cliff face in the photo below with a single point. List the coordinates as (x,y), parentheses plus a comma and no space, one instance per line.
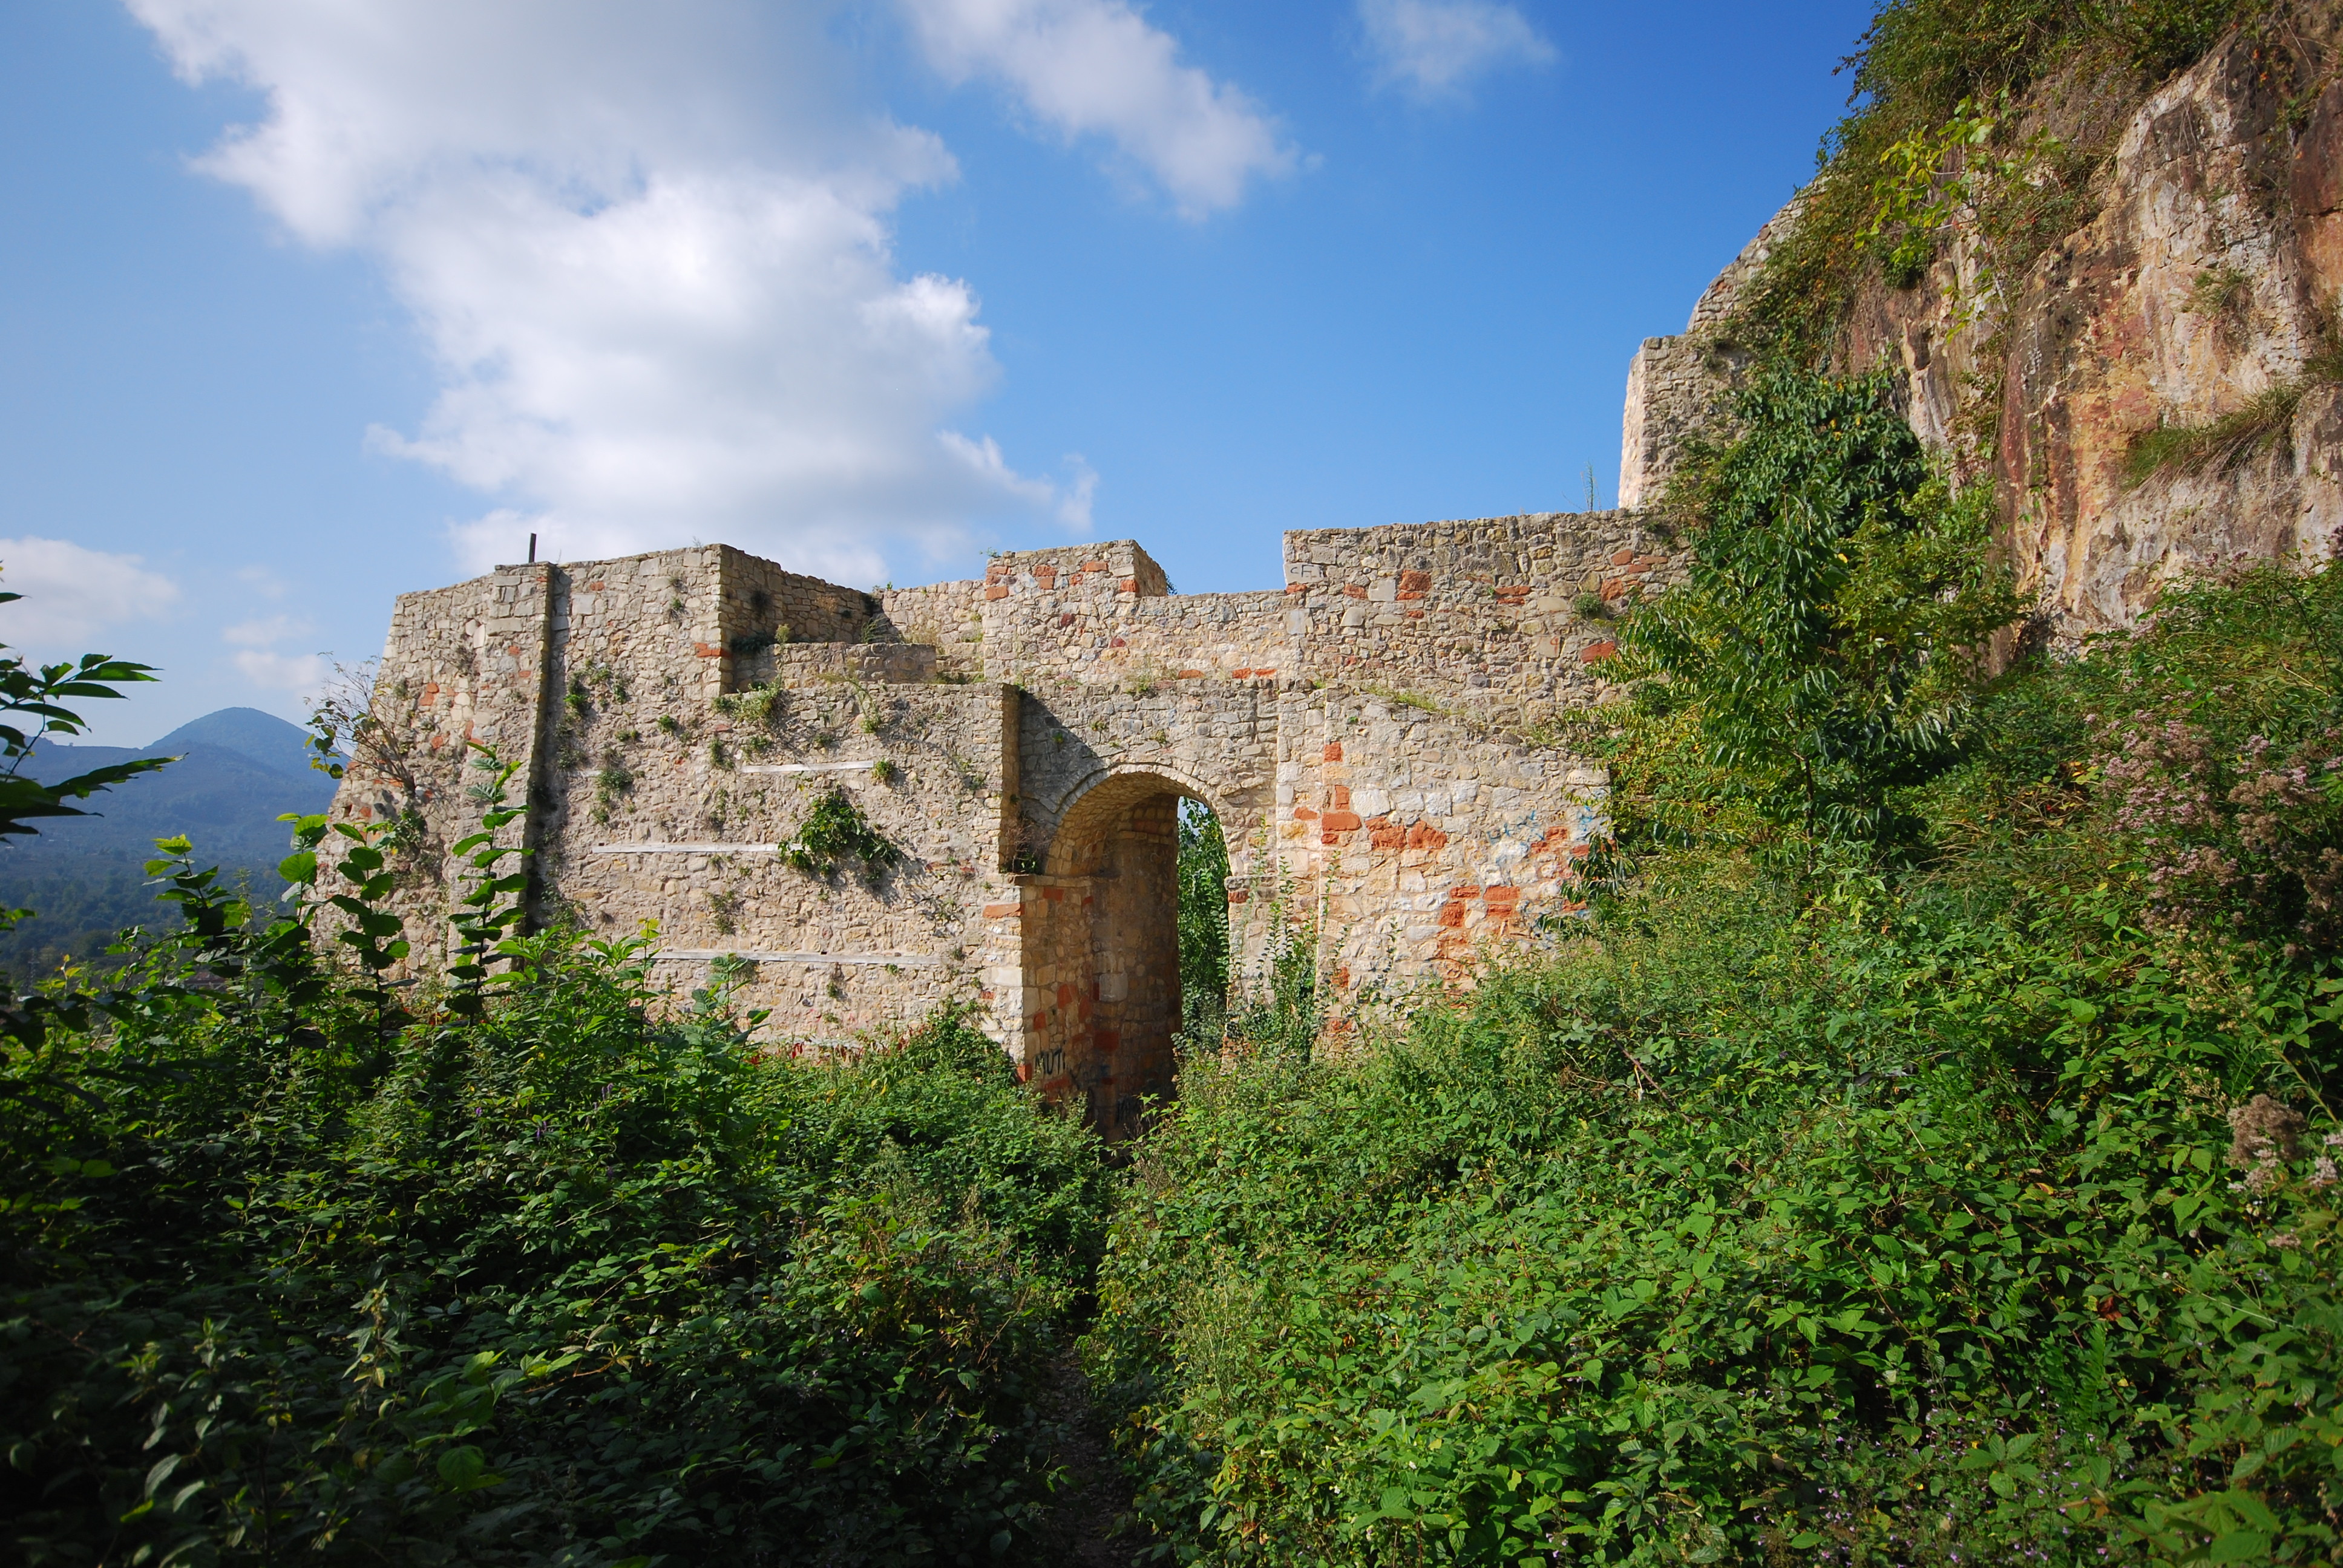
(2201,302)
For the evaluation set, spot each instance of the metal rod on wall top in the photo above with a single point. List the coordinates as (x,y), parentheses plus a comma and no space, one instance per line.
(532,549)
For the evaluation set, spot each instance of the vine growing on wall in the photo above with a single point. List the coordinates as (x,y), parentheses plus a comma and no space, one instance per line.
(836,832)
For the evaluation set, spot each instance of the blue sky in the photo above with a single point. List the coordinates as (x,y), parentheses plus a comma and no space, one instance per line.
(304,305)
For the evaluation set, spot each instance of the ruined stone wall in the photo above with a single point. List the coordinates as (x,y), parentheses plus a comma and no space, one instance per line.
(1416,848)
(1481,614)
(462,664)
(1363,734)
(947,617)
(1676,387)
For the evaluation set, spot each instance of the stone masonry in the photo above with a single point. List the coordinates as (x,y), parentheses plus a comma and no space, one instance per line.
(1377,740)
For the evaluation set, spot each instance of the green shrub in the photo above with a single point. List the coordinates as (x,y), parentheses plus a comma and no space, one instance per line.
(1204,877)
(1973,1202)
(836,831)
(570,1285)
(1822,654)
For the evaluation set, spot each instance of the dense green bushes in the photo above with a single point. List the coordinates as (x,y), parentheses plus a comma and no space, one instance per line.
(564,1285)
(1927,1155)
(1733,1234)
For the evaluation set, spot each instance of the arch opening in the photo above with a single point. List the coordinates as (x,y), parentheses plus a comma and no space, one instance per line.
(1115,922)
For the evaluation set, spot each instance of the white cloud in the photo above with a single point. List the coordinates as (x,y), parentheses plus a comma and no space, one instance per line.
(1436,47)
(1096,67)
(648,249)
(73,593)
(302,673)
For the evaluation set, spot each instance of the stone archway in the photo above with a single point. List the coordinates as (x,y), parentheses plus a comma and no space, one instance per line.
(1103,945)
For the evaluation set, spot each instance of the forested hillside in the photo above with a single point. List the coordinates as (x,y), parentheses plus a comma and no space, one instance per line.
(237,771)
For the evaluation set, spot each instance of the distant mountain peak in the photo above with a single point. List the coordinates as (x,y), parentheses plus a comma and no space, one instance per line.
(258,737)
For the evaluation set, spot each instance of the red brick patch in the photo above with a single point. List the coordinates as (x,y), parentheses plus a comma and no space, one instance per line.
(1304,814)
(1191,675)
(1385,834)
(1067,619)
(1094,566)
(1354,590)
(997,590)
(1128,584)
(1334,751)
(1004,911)
(1414,582)
(1339,822)
(704,652)
(1054,895)
(594,586)
(1621,557)
(1424,836)
(1596,652)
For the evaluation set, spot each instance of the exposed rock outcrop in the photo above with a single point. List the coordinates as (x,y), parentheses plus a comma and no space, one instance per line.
(2198,301)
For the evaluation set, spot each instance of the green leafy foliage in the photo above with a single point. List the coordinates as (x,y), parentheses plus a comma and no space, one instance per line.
(490,917)
(1204,876)
(293,1271)
(1872,1227)
(1935,144)
(548,1283)
(836,831)
(1822,655)
(32,708)
(1966,1195)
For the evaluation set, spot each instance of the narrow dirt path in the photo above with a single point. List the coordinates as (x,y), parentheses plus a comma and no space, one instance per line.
(1081,1528)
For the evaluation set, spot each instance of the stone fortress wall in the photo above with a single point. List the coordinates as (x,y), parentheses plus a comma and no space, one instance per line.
(1375,739)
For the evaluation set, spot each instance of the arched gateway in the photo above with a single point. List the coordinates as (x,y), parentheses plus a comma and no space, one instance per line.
(1102,942)
(684,719)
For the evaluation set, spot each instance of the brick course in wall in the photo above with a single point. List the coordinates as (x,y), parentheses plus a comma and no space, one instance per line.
(1374,737)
